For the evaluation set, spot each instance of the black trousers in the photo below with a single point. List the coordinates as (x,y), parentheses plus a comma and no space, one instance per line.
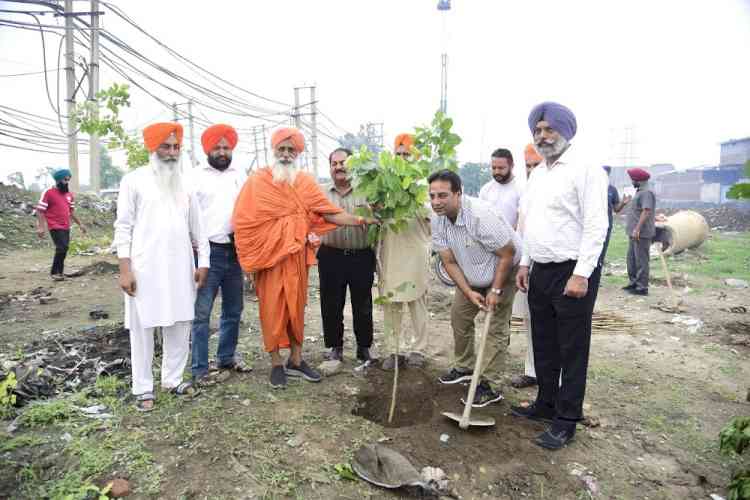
(561,334)
(339,269)
(61,238)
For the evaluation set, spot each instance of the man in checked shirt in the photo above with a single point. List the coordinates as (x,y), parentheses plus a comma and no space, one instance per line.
(480,252)
(345,260)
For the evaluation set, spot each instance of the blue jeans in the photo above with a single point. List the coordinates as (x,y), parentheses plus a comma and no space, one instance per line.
(225,273)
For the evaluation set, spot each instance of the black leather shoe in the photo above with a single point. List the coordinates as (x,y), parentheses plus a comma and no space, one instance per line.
(556,437)
(629,287)
(638,291)
(336,353)
(536,412)
(363,353)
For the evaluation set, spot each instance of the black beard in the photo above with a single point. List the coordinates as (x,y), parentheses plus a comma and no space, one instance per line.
(502,179)
(62,187)
(220,163)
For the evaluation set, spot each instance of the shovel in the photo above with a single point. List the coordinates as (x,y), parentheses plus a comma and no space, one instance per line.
(463,420)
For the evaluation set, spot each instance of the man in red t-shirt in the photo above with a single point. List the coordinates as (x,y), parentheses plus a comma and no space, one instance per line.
(55,207)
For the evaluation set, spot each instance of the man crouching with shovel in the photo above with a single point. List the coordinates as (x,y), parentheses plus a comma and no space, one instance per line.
(480,252)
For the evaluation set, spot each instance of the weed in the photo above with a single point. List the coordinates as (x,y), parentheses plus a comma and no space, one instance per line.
(110,386)
(20,442)
(47,412)
(7,398)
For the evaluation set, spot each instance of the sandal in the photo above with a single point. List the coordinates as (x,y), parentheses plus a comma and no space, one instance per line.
(185,389)
(144,402)
(238,366)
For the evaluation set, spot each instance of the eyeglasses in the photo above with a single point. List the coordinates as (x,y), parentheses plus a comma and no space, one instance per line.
(287,149)
(403,154)
(169,147)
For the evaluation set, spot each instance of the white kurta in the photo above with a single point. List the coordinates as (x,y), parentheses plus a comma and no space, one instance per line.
(156,235)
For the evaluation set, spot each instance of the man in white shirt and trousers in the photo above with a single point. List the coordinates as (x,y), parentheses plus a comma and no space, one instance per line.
(216,186)
(157,221)
(565,227)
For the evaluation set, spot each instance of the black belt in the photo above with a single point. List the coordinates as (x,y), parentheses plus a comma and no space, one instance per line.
(346,251)
(554,264)
(221,245)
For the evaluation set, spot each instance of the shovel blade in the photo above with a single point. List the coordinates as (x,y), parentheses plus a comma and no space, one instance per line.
(473,421)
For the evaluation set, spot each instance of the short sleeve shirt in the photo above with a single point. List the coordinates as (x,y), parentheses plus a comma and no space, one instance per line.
(644,199)
(56,207)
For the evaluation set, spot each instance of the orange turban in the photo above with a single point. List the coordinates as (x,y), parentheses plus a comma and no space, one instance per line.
(404,140)
(288,134)
(531,155)
(215,133)
(154,135)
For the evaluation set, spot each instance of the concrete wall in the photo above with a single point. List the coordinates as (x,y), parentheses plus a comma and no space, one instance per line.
(735,152)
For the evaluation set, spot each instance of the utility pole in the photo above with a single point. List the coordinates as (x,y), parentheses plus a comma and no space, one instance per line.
(255,143)
(444,84)
(70,84)
(193,162)
(265,144)
(296,108)
(314,134)
(94,151)
(174,111)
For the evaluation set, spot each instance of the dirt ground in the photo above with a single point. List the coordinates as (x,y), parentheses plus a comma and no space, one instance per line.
(657,396)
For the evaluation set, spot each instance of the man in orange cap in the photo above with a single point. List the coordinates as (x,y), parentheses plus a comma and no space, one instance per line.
(533,159)
(158,222)
(216,186)
(404,257)
(640,228)
(278,216)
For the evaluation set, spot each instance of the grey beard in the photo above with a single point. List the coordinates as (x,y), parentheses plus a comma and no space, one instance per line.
(284,172)
(553,150)
(168,178)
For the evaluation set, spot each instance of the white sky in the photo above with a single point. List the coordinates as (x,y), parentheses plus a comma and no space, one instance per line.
(676,71)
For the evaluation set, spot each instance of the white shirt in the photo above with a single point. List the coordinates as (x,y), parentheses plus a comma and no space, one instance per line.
(505,197)
(565,214)
(157,236)
(216,192)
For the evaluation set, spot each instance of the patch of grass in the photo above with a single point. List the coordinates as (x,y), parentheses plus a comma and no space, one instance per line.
(87,243)
(47,412)
(110,386)
(20,442)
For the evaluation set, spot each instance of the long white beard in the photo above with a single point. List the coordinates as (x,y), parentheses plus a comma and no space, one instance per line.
(284,172)
(168,178)
(552,150)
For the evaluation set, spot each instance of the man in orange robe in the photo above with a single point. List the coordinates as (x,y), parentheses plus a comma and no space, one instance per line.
(277,219)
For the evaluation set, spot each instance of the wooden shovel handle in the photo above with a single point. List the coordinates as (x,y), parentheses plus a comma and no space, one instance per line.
(464,423)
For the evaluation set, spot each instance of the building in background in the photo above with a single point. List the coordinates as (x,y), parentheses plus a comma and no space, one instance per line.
(735,152)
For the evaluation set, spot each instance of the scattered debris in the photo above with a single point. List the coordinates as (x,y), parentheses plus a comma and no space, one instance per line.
(444,438)
(736,283)
(119,488)
(587,478)
(734,309)
(603,322)
(693,324)
(295,441)
(330,368)
(52,365)
(435,477)
(98,314)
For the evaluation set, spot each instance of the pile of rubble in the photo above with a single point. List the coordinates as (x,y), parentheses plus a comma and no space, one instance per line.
(58,364)
(726,218)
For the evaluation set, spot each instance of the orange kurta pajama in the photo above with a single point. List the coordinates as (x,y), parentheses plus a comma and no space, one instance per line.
(271,224)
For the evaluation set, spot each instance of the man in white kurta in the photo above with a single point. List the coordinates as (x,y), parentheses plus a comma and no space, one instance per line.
(157,224)
(404,260)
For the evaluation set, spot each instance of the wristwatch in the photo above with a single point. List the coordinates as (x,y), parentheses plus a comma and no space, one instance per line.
(496,291)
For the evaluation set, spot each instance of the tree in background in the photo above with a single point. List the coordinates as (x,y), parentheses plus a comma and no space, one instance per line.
(16,178)
(110,174)
(473,177)
(355,142)
(741,190)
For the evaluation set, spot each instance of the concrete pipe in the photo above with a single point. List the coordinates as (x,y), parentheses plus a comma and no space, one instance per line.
(683,230)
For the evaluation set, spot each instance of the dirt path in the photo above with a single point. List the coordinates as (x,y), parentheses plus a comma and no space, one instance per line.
(658,396)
